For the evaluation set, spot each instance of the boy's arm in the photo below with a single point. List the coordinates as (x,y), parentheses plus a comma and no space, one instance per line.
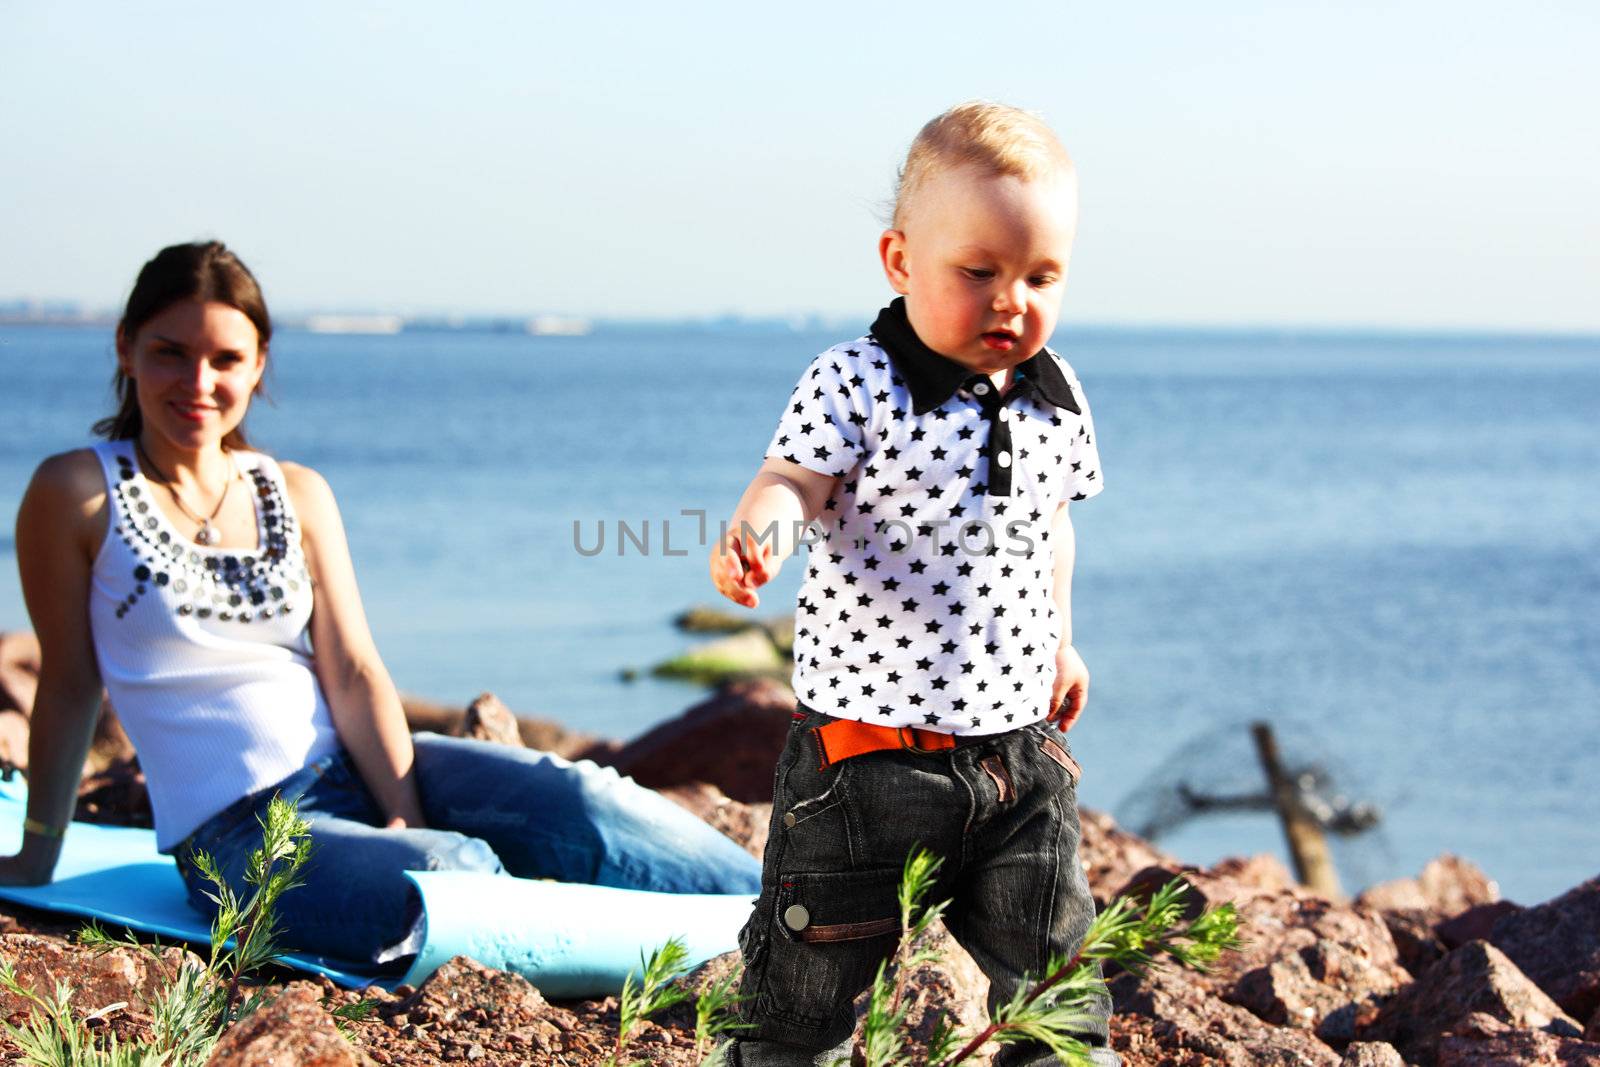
(1070,692)
(766,527)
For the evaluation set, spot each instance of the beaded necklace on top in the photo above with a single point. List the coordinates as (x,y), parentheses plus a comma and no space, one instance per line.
(207,534)
(231,585)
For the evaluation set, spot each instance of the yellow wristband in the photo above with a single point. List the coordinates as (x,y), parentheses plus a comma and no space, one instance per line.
(34,826)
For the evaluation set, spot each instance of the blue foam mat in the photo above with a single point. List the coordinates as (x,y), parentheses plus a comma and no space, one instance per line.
(569,940)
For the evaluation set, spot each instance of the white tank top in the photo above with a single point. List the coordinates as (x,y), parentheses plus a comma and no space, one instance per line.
(205,651)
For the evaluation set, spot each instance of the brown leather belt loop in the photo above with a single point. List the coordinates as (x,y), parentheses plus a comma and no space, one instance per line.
(842,739)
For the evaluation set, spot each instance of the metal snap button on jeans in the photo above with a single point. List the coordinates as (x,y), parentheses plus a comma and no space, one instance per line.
(789,820)
(796,917)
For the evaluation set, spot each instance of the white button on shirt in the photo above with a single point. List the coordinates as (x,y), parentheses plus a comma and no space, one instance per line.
(929,602)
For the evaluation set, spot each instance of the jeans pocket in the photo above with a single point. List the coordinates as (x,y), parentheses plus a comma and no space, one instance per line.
(812,811)
(1058,752)
(831,931)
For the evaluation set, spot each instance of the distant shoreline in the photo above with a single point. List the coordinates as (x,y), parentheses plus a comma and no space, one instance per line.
(369,324)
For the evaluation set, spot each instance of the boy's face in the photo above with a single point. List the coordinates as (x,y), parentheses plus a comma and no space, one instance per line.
(982,263)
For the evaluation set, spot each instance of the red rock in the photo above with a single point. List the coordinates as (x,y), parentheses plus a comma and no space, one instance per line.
(954,989)
(111,747)
(294,1030)
(1401,894)
(116,796)
(19,681)
(487,719)
(1451,885)
(1262,871)
(1475,978)
(731,740)
(1284,992)
(1447,886)
(1372,1054)
(748,824)
(1111,856)
(509,999)
(1306,962)
(1415,939)
(1477,923)
(542,734)
(13,739)
(1480,1040)
(1171,1017)
(1557,944)
(19,671)
(118,976)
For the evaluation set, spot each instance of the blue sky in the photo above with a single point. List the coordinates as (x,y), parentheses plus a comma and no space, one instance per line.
(1413,164)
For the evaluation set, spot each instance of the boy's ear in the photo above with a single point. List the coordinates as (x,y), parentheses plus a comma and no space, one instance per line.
(892,253)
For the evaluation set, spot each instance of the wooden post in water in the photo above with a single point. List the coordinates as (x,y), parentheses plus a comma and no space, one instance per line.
(1313,864)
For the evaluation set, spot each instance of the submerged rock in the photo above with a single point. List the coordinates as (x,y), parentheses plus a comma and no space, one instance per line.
(703,619)
(745,654)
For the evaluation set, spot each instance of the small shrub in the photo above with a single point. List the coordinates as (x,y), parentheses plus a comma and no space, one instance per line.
(195,1004)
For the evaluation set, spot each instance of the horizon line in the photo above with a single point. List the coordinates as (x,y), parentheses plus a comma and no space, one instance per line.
(68,314)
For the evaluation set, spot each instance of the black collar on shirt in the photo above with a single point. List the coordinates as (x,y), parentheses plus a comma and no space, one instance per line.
(933,378)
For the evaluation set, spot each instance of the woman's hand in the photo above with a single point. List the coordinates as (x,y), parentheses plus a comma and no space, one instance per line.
(1070,692)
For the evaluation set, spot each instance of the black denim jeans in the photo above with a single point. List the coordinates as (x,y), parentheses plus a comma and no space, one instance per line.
(1002,813)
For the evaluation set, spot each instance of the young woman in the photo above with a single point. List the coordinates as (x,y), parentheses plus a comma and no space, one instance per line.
(210,590)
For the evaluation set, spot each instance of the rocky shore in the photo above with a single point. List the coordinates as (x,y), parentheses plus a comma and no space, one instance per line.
(1435,969)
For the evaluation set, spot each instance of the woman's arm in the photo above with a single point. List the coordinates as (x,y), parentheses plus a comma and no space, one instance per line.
(362,698)
(59,529)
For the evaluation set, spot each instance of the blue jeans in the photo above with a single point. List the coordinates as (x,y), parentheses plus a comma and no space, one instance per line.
(490,808)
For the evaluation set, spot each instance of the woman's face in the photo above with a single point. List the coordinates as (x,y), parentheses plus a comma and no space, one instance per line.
(194,367)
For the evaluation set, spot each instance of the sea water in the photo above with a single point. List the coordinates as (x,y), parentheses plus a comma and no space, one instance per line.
(1387,546)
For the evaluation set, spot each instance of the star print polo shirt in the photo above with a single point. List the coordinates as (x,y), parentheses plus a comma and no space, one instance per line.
(927,600)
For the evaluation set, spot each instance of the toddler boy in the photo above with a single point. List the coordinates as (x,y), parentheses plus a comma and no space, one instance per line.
(933,639)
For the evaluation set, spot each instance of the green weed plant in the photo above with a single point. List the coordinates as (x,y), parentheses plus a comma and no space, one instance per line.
(1052,1009)
(196,1003)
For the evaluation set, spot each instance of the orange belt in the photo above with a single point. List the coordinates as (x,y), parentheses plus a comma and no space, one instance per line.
(841,739)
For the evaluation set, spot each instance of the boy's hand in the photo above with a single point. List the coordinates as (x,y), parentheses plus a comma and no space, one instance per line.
(739,566)
(1071,690)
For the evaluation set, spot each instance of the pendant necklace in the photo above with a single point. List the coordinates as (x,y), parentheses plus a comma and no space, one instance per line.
(207,534)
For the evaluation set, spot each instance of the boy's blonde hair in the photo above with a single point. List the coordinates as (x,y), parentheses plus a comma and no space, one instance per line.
(996,138)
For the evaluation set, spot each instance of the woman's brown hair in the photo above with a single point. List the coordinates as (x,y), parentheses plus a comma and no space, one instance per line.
(205,271)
